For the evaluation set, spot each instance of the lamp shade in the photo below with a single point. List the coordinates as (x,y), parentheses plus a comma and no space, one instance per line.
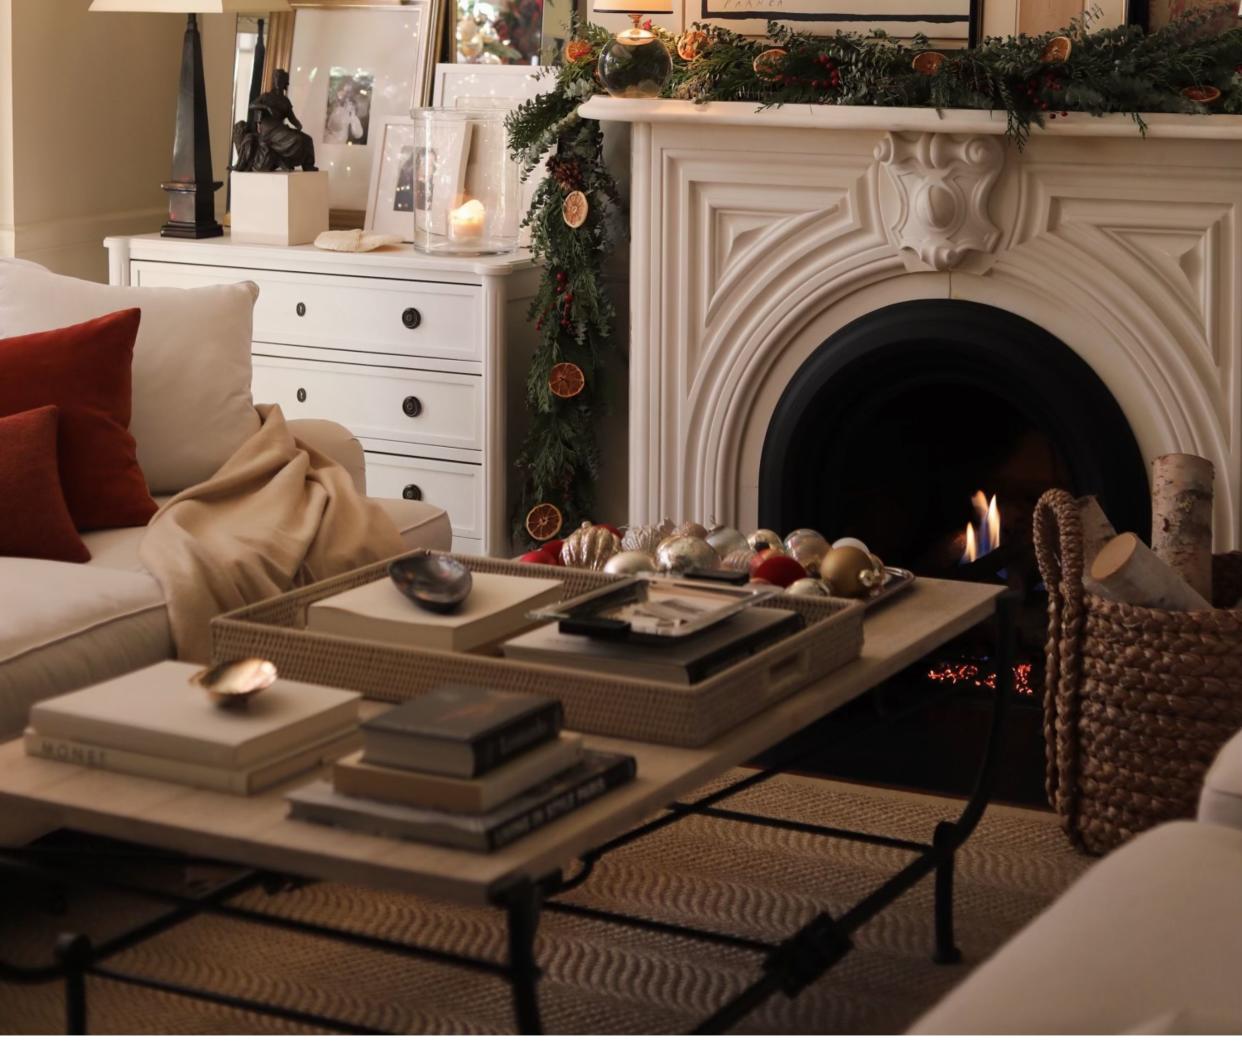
(192,6)
(632,7)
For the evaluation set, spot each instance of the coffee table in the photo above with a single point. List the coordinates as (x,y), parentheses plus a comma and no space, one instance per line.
(525,878)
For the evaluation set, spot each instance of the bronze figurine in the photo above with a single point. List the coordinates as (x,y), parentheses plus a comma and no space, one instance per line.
(272,138)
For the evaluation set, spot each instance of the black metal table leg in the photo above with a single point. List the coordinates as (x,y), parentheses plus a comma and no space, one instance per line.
(946,952)
(73,952)
(521,901)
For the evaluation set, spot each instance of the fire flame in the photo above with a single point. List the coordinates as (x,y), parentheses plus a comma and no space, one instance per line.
(985,535)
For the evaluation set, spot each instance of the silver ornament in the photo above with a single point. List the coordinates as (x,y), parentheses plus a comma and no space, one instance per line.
(630,562)
(739,560)
(807,547)
(808,587)
(643,538)
(692,528)
(768,537)
(726,540)
(682,552)
(856,543)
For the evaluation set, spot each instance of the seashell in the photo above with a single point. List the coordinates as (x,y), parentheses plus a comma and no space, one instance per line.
(630,562)
(767,536)
(682,552)
(231,684)
(354,241)
(726,540)
(590,547)
(739,560)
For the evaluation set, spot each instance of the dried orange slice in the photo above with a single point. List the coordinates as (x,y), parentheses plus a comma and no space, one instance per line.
(543,522)
(574,209)
(693,42)
(767,65)
(1203,95)
(566,380)
(927,63)
(578,50)
(1057,50)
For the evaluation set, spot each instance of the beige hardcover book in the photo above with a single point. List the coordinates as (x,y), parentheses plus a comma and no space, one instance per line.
(156,711)
(362,780)
(248,781)
(496,608)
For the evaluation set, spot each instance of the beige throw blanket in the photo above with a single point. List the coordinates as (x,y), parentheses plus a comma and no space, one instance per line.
(276,515)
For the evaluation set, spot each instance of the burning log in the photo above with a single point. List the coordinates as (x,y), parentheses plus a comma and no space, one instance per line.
(1130,573)
(1181,517)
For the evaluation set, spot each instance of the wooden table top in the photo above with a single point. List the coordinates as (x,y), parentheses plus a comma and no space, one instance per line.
(256,831)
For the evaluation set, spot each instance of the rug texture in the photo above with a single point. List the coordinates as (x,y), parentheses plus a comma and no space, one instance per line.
(598,977)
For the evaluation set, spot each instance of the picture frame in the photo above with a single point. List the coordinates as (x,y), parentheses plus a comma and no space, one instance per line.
(354,63)
(414,183)
(950,21)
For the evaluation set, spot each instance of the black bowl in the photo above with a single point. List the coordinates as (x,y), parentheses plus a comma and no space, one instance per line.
(433,582)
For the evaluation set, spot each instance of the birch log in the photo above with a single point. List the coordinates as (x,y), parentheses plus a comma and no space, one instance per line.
(1130,573)
(1097,532)
(1181,517)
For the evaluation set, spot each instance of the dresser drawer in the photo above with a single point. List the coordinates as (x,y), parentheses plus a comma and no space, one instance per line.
(406,405)
(380,315)
(455,487)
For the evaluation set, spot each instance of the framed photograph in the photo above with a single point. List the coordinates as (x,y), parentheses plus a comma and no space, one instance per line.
(415,181)
(353,64)
(1036,17)
(949,20)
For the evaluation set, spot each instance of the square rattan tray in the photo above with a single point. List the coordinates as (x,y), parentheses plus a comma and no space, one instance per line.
(596,703)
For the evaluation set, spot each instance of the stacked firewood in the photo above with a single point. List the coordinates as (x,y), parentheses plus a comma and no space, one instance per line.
(1175,572)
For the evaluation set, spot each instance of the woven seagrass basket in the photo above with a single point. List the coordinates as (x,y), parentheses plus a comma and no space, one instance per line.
(1137,701)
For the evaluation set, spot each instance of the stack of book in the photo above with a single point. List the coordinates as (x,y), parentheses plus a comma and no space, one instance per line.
(154,723)
(465,767)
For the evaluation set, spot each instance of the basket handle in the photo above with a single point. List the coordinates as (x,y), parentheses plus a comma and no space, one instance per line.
(1058,550)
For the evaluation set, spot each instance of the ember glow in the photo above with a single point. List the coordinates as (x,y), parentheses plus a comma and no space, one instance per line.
(985,534)
(968,673)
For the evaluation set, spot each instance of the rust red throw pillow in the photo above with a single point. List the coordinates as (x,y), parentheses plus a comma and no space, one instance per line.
(84,371)
(35,521)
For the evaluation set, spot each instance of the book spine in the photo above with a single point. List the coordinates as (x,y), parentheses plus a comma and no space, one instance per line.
(493,749)
(367,824)
(80,753)
(561,803)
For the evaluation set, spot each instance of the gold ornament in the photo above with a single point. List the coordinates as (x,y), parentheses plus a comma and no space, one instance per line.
(590,547)
(766,536)
(927,63)
(566,380)
(543,522)
(574,209)
(630,562)
(725,540)
(682,552)
(1057,50)
(849,571)
(739,560)
(646,538)
(693,42)
(691,528)
(768,65)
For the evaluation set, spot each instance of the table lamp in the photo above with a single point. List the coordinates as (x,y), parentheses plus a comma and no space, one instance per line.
(191,189)
(634,64)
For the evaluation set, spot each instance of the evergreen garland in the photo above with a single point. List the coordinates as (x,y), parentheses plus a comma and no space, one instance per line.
(1121,70)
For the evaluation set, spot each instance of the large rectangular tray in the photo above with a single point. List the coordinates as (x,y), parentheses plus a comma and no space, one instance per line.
(595,703)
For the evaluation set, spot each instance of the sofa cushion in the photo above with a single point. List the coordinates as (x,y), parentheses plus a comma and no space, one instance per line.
(422,526)
(36,522)
(84,370)
(1154,928)
(1220,800)
(191,374)
(67,625)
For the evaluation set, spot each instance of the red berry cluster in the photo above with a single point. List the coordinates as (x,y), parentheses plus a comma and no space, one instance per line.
(832,75)
(565,298)
(1045,82)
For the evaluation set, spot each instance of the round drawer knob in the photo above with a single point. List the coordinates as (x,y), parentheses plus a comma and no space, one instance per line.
(412,491)
(411,406)
(301,310)
(301,393)
(410,318)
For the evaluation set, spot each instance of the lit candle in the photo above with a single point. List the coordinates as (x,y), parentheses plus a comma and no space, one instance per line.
(466,222)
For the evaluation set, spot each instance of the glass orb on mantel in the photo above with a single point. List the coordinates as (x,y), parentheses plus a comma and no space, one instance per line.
(635,64)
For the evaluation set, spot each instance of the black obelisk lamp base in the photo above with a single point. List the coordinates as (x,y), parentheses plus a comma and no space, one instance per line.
(191,191)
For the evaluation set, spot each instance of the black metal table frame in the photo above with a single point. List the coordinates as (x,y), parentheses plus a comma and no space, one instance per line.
(787,967)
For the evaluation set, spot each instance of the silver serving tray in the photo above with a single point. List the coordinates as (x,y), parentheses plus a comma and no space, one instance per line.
(896,579)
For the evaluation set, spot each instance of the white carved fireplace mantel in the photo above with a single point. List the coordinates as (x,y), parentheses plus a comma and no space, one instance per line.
(757,235)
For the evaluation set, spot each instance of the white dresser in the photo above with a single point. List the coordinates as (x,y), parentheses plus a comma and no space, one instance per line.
(424,359)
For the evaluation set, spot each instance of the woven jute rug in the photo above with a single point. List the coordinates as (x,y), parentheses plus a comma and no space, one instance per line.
(599,977)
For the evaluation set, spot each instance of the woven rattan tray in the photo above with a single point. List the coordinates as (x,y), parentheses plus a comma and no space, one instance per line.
(595,703)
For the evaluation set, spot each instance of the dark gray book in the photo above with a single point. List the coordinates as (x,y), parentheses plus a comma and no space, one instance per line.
(597,774)
(460,731)
(690,659)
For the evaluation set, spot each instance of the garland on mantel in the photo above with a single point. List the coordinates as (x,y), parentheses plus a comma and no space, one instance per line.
(1189,66)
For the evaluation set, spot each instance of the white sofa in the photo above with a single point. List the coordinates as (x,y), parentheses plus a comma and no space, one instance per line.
(1148,941)
(63,626)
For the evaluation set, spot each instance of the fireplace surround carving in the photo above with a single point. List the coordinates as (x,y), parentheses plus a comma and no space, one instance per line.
(756,236)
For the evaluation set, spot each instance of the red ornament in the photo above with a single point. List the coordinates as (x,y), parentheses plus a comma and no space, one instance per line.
(764,554)
(779,570)
(553,548)
(538,556)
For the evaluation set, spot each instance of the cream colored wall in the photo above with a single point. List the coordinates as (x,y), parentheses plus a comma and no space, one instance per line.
(6,130)
(93,99)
